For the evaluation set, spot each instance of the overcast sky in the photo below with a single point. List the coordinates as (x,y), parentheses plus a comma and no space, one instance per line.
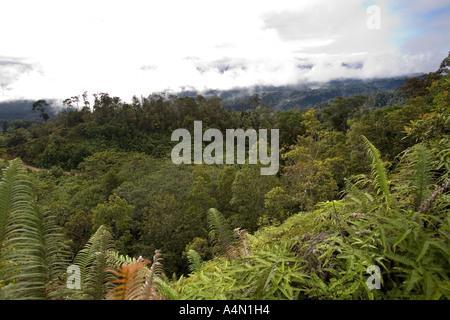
(58,49)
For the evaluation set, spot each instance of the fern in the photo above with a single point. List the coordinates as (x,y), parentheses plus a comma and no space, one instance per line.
(166,289)
(363,199)
(378,172)
(93,262)
(195,260)
(31,244)
(155,273)
(417,164)
(130,281)
(135,281)
(220,233)
(115,258)
(422,172)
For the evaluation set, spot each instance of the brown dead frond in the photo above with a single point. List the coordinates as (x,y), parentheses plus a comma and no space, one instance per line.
(130,281)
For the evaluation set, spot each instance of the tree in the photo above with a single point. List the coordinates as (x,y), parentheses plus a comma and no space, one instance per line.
(308,174)
(115,214)
(255,101)
(170,227)
(337,115)
(418,86)
(289,124)
(249,190)
(40,105)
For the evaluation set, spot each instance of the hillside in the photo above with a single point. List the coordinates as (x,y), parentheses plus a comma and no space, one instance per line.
(305,96)
(358,209)
(279,98)
(20,110)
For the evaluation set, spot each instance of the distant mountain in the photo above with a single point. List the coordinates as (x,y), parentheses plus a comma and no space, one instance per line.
(279,98)
(303,96)
(20,109)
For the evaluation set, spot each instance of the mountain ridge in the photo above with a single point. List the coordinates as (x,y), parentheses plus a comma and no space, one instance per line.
(279,98)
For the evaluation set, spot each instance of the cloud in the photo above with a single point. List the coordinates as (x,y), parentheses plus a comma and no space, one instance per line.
(11,70)
(58,49)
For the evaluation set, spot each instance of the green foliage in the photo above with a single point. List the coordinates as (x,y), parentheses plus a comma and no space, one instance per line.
(273,273)
(325,254)
(195,260)
(249,190)
(32,249)
(114,214)
(379,175)
(93,261)
(220,233)
(363,182)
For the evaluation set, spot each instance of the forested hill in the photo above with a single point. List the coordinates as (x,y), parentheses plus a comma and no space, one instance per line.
(21,110)
(359,189)
(145,125)
(279,98)
(307,95)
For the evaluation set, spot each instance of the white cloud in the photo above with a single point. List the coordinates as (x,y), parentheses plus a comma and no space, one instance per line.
(140,47)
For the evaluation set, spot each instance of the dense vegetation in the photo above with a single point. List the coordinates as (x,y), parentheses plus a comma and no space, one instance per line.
(360,184)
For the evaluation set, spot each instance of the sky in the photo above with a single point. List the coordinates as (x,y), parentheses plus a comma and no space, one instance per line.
(58,49)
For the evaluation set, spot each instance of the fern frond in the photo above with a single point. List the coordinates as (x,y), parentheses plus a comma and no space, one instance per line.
(156,272)
(195,260)
(30,241)
(378,172)
(130,281)
(56,251)
(220,233)
(166,290)
(418,165)
(115,258)
(422,172)
(93,262)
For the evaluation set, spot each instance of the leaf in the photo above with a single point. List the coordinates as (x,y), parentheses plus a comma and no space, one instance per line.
(220,232)
(429,285)
(401,237)
(379,174)
(412,280)
(130,281)
(423,248)
(32,245)
(195,260)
